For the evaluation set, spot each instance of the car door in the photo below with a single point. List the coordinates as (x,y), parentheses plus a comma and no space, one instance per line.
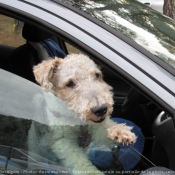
(119,60)
(115,45)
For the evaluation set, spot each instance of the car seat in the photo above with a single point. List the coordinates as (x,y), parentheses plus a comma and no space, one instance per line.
(23,58)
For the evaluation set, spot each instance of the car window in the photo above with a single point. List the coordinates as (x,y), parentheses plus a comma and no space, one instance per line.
(10,33)
(148,28)
(72,49)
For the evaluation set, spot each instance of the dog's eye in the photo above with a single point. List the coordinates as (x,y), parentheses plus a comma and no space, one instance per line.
(70,84)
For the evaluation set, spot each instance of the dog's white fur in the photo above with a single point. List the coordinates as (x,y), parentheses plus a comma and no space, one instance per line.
(77,88)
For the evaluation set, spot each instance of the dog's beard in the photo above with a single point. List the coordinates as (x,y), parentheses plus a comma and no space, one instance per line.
(100,121)
(87,117)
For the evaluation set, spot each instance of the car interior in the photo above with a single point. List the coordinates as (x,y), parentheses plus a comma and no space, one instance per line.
(130,103)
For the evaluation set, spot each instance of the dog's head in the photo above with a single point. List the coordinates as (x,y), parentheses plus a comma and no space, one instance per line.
(77,80)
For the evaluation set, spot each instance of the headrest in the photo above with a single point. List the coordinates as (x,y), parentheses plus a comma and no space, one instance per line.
(34,34)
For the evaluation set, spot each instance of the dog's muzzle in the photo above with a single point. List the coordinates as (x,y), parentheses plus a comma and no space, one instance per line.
(100,111)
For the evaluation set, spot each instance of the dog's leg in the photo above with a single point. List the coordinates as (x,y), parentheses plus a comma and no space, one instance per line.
(32,145)
(99,135)
(33,139)
(74,157)
(39,140)
(120,133)
(109,132)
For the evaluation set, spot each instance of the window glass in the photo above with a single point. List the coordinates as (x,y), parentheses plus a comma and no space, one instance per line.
(10,31)
(72,49)
(148,28)
(21,104)
(39,134)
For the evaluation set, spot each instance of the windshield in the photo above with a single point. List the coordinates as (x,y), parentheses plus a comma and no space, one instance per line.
(148,28)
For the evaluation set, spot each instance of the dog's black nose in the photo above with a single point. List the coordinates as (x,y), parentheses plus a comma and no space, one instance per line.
(100,111)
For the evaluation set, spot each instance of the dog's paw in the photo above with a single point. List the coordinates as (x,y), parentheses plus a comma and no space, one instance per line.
(122,134)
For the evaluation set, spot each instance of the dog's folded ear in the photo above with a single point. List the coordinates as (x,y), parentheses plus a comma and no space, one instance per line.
(44,71)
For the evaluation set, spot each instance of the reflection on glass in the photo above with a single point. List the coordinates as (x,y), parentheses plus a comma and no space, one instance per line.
(35,124)
(148,28)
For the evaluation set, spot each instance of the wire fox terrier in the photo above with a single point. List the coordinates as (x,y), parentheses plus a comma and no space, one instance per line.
(74,87)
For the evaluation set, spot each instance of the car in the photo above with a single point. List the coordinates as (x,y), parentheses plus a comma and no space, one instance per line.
(155,4)
(132,44)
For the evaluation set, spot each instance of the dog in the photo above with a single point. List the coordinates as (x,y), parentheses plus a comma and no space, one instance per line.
(78,105)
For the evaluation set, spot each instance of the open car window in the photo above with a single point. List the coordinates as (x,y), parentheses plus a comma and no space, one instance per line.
(11,31)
